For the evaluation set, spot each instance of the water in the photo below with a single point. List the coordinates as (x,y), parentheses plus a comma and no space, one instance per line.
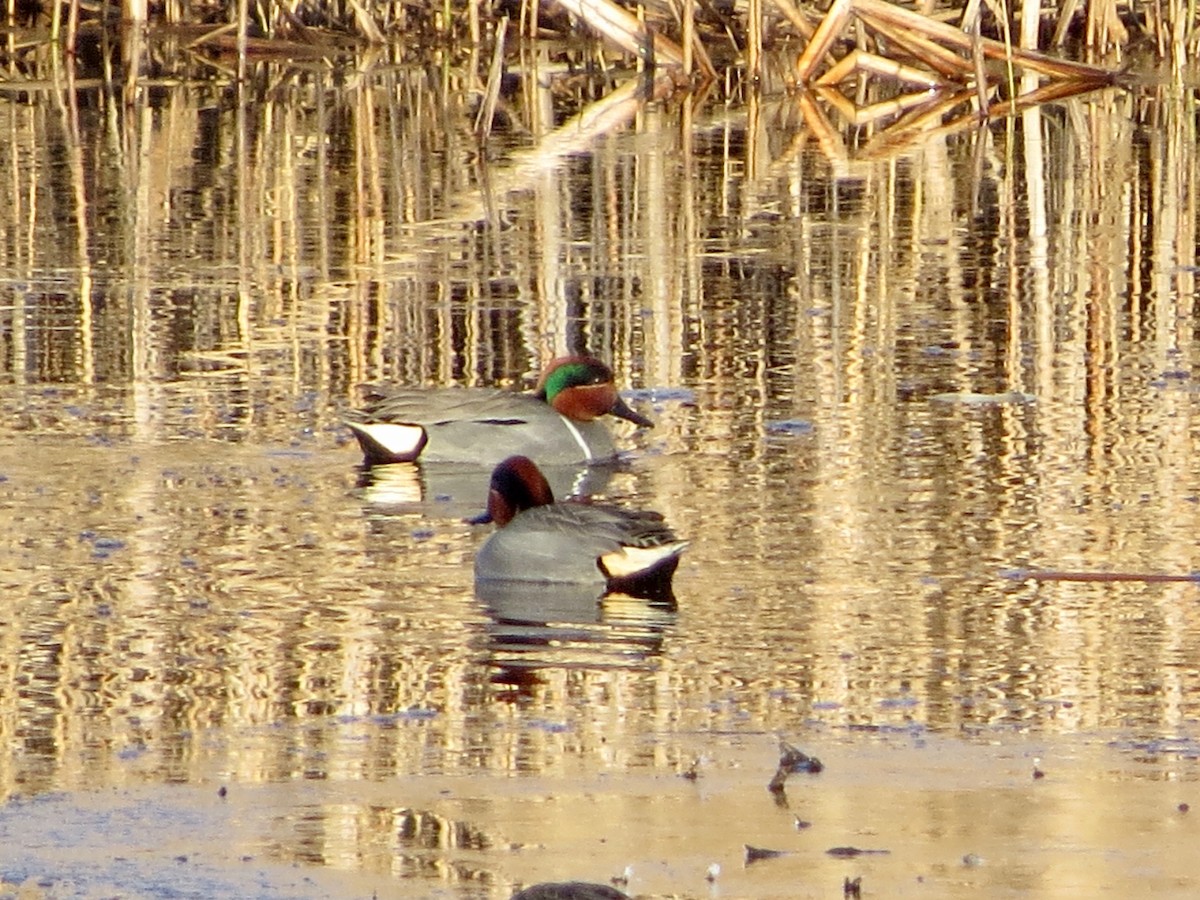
(887,388)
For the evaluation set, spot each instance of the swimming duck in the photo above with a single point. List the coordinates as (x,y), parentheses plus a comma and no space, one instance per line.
(569,890)
(556,423)
(538,540)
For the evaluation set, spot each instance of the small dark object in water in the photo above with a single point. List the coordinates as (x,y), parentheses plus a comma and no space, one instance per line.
(850,852)
(222,791)
(570,890)
(692,772)
(801,824)
(1037,772)
(852,888)
(792,760)
(795,760)
(754,854)
(1183,807)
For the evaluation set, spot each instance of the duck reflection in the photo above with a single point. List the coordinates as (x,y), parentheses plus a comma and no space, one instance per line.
(460,490)
(535,626)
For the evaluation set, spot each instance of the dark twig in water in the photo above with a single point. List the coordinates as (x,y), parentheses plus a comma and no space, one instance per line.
(1146,577)
(754,854)
(851,852)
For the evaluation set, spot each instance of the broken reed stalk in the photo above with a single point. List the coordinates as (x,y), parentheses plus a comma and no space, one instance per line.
(473,22)
(828,31)
(797,19)
(878,65)
(992,49)
(1031,16)
(946,62)
(754,39)
(1009,71)
(687,35)
(623,29)
(1065,13)
(243,17)
(982,93)
(491,94)
(371,31)
(72,27)
(701,55)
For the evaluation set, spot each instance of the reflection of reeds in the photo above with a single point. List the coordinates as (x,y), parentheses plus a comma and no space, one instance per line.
(335,238)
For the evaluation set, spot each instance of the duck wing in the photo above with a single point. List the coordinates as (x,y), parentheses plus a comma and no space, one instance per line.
(441,406)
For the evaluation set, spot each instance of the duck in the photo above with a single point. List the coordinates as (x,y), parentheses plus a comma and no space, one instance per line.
(570,890)
(609,548)
(482,426)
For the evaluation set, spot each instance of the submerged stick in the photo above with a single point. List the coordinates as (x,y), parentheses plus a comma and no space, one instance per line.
(1146,577)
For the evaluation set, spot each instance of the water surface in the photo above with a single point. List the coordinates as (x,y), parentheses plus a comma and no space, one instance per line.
(887,389)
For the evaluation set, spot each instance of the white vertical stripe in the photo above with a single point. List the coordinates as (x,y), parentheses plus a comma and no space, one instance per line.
(583,445)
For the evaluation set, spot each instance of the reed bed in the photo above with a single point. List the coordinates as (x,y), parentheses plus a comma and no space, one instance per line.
(701,40)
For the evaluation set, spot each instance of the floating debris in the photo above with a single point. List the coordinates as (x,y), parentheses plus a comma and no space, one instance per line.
(796,760)
(570,890)
(792,760)
(754,854)
(851,852)
(970,398)
(1061,575)
(790,427)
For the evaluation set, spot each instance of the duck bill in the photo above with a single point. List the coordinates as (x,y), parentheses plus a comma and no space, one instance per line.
(622,410)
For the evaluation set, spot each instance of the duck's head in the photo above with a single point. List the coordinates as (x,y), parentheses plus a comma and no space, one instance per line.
(517,484)
(582,388)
